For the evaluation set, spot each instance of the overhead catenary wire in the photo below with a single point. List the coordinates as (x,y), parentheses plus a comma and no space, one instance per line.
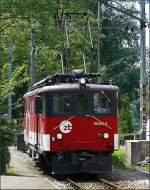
(76,30)
(121,4)
(142,21)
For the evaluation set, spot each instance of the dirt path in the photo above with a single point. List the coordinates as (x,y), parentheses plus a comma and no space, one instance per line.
(22,164)
(23,175)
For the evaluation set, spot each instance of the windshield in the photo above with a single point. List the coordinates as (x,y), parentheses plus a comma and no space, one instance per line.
(82,103)
(61,104)
(99,103)
(102,103)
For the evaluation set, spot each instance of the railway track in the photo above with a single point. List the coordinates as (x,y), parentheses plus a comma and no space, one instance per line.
(74,184)
(110,184)
(84,182)
(80,182)
(77,184)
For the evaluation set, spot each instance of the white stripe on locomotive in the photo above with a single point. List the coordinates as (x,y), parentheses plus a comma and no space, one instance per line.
(116,141)
(44,140)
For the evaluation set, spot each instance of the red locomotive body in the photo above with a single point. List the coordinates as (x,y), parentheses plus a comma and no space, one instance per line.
(72,126)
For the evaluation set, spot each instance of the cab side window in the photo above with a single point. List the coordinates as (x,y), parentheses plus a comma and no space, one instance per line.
(38,105)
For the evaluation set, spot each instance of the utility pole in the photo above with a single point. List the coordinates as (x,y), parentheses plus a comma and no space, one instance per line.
(149,33)
(98,45)
(143,73)
(149,67)
(10,60)
(33,55)
(68,43)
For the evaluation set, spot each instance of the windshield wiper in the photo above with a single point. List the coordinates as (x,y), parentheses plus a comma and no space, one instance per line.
(108,99)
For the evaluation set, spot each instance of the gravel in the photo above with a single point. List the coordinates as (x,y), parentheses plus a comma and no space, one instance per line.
(131,179)
(124,179)
(23,164)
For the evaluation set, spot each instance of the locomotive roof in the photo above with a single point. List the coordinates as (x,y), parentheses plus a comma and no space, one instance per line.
(70,87)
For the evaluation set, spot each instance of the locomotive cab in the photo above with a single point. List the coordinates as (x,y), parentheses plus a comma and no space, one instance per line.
(74,125)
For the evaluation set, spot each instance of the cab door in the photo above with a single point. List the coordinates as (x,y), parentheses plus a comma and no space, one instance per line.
(38,113)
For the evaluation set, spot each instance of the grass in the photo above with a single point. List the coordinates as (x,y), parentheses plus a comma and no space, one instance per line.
(145,168)
(11,171)
(119,161)
(118,158)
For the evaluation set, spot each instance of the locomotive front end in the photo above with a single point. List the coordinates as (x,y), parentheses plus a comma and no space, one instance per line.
(83,126)
(72,126)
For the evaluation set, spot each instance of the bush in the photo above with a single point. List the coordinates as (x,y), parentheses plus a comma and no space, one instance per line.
(118,158)
(4,159)
(124,137)
(6,136)
(126,117)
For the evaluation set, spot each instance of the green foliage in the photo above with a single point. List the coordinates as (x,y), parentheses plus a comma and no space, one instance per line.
(118,158)
(124,137)
(4,159)
(11,171)
(16,86)
(6,137)
(119,53)
(18,80)
(126,120)
(131,136)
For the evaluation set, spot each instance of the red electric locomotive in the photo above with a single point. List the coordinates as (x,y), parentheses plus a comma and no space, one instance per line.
(72,124)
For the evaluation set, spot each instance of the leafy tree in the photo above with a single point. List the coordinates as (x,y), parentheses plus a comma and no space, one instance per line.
(126,119)
(119,47)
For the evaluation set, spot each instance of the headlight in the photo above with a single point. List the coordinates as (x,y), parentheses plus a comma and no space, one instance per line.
(59,136)
(82,81)
(105,135)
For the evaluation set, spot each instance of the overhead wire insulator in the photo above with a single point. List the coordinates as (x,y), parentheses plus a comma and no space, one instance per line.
(143,25)
(129,29)
(126,28)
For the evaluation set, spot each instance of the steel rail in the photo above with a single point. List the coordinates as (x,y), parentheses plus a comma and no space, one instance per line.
(108,183)
(74,184)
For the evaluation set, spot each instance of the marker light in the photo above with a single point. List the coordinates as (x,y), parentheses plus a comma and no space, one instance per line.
(59,136)
(105,135)
(82,81)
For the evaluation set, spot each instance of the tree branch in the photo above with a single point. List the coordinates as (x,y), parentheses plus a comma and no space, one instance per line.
(4,28)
